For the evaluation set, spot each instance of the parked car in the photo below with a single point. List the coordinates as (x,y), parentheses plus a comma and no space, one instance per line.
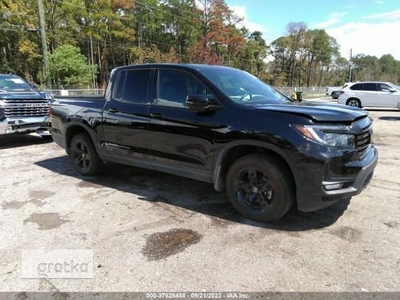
(370,93)
(222,126)
(336,94)
(23,108)
(330,90)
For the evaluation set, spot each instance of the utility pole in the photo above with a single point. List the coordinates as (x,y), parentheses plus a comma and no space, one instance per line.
(350,64)
(44,42)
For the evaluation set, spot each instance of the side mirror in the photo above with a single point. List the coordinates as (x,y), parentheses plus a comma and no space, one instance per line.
(201,103)
(34,86)
(392,90)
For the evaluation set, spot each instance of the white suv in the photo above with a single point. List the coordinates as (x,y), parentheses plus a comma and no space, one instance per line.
(370,93)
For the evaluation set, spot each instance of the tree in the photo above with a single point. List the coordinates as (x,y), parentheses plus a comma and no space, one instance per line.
(219,38)
(18,38)
(255,52)
(303,57)
(69,67)
(110,33)
(320,51)
(366,67)
(389,68)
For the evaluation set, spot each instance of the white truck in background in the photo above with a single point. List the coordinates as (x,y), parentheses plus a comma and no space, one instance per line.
(331,89)
(334,91)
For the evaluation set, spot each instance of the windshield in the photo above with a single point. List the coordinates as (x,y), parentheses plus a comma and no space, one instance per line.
(396,86)
(13,83)
(243,88)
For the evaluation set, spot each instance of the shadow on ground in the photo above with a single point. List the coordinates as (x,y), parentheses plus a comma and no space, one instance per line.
(21,140)
(390,118)
(189,194)
(391,110)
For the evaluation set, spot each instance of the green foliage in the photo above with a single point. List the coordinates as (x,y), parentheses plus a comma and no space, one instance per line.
(69,67)
(110,33)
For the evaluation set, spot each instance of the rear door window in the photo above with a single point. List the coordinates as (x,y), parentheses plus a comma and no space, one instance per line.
(133,86)
(370,86)
(357,87)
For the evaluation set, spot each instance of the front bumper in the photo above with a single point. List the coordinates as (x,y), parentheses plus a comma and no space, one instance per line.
(316,195)
(41,125)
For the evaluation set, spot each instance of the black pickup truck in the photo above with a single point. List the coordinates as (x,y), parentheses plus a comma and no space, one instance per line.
(223,126)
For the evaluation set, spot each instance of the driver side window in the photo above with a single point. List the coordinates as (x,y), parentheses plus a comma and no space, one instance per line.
(174,86)
(384,87)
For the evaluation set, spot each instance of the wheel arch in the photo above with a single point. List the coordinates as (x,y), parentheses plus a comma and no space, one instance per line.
(354,98)
(72,130)
(236,150)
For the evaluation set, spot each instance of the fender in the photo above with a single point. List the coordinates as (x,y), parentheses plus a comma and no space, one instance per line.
(219,184)
(88,128)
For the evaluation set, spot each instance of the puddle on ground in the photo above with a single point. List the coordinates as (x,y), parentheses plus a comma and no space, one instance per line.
(18,204)
(13,205)
(161,245)
(41,195)
(46,221)
(347,233)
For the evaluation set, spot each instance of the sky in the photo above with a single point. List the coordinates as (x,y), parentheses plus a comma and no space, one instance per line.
(369,27)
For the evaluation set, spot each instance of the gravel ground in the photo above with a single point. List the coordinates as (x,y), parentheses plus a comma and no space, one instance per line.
(155,232)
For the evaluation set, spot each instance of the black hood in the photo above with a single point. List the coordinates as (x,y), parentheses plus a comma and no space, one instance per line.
(319,111)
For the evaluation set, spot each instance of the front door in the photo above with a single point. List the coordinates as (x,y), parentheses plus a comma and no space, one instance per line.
(386,97)
(178,136)
(369,94)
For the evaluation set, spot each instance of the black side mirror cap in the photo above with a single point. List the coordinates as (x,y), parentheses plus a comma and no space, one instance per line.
(201,103)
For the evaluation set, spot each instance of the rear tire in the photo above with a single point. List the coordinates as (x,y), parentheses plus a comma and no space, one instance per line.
(260,188)
(354,103)
(84,156)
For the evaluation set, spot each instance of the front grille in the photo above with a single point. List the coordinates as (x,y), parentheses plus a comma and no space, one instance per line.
(26,109)
(26,101)
(363,140)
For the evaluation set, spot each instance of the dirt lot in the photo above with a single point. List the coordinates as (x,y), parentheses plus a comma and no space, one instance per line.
(155,232)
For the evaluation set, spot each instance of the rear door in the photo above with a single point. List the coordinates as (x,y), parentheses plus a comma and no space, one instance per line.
(125,116)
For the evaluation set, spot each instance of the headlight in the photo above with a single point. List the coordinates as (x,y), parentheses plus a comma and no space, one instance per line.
(334,136)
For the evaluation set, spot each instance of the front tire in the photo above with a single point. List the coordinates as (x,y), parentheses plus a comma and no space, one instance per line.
(260,188)
(84,156)
(354,103)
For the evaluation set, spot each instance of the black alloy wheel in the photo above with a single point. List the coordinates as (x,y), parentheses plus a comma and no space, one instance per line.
(84,155)
(260,188)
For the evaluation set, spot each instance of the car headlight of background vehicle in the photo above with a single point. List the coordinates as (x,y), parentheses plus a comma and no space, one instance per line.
(334,136)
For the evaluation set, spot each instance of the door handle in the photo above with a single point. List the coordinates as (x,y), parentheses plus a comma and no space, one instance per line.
(113,110)
(156,116)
